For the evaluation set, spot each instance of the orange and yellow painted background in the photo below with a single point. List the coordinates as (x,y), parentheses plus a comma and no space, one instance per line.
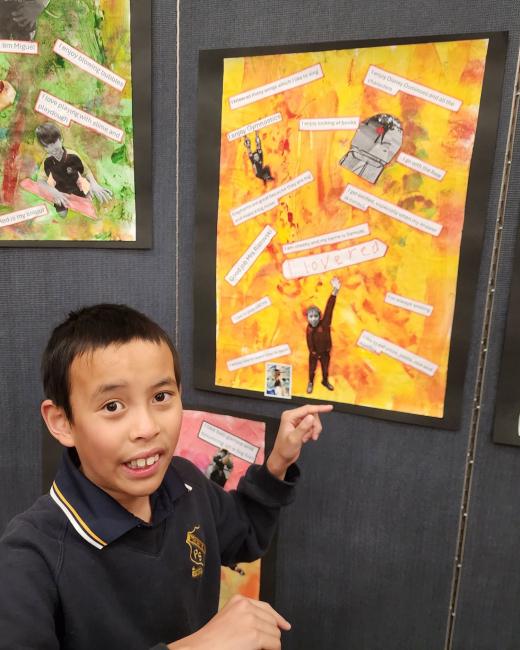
(416,264)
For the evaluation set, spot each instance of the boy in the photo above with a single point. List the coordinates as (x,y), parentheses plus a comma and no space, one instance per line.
(64,172)
(319,339)
(126,550)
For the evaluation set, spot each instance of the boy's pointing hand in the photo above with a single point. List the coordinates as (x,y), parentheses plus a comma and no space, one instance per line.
(297,427)
(242,624)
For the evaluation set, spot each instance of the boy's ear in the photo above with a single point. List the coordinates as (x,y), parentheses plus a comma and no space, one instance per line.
(57,422)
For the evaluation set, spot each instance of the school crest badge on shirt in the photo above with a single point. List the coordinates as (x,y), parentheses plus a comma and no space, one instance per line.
(197,552)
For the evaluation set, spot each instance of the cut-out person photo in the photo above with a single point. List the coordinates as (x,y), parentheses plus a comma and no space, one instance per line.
(18,18)
(63,174)
(257,159)
(278,380)
(220,468)
(319,340)
(277,383)
(375,143)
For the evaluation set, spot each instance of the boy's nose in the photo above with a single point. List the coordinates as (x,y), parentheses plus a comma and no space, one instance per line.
(145,425)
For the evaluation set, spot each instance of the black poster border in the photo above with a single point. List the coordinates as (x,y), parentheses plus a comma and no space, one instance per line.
(506,421)
(480,175)
(141,56)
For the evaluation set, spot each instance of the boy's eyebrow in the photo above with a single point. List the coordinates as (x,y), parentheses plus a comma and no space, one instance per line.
(108,388)
(167,381)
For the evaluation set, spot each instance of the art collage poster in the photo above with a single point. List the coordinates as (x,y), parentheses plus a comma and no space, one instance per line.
(223,447)
(66,122)
(342,197)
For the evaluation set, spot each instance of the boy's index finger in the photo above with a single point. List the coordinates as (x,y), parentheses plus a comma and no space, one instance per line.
(282,622)
(307,409)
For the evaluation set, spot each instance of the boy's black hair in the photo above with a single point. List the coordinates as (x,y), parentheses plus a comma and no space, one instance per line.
(47,133)
(89,329)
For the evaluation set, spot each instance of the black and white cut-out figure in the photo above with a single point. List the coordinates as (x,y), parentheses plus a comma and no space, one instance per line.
(319,340)
(220,468)
(18,18)
(257,159)
(375,143)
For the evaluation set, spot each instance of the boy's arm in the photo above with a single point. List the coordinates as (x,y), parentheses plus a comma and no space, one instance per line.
(327,316)
(59,198)
(101,193)
(246,518)
(96,190)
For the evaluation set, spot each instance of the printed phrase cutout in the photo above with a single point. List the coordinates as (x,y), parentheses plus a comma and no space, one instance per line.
(379,345)
(305,76)
(12,218)
(268,200)
(329,238)
(85,63)
(257,306)
(363,200)
(225,440)
(254,126)
(64,113)
(392,84)
(416,306)
(247,260)
(259,357)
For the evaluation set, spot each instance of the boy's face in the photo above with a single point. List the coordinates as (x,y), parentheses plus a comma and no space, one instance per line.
(313,317)
(127,413)
(54,148)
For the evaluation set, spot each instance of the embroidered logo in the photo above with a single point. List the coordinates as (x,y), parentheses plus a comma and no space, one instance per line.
(197,552)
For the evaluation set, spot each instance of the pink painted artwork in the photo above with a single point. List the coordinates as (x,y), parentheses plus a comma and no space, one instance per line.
(223,447)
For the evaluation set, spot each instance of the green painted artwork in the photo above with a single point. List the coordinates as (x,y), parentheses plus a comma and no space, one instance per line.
(66,122)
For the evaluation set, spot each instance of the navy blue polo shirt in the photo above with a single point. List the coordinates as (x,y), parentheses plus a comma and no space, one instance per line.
(80,572)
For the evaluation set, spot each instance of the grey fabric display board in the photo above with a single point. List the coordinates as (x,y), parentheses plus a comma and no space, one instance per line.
(367,555)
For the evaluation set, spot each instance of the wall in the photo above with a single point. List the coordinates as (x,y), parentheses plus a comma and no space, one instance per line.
(366,555)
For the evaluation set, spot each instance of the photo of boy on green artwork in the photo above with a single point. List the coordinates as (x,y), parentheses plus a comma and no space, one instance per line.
(66,80)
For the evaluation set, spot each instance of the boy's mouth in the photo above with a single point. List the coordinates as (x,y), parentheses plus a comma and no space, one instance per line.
(143,463)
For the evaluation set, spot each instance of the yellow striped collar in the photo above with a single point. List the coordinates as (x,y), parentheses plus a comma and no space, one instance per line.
(98,518)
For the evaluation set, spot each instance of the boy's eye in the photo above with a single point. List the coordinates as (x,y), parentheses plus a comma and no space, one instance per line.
(112,407)
(162,397)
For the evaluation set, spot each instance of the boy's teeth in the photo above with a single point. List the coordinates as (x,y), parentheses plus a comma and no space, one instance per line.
(139,463)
